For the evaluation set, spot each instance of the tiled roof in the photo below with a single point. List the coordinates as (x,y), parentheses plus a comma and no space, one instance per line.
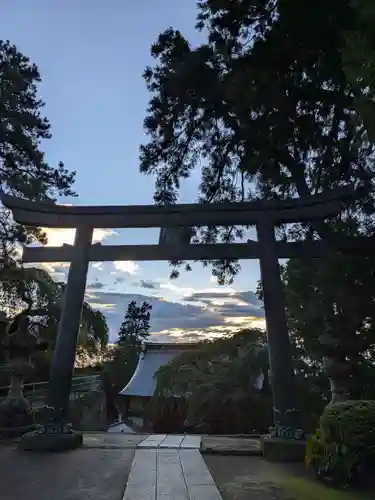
(151,359)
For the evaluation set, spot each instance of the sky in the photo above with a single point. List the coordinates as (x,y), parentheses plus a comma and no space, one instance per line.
(91,55)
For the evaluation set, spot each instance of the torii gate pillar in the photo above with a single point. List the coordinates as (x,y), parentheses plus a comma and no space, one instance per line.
(279,347)
(70,321)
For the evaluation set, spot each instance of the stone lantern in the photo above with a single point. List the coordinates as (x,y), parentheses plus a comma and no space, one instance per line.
(337,367)
(18,344)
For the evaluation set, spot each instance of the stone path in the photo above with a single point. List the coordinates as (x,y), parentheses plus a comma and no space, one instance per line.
(171,441)
(114,466)
(166,474)
(170,467)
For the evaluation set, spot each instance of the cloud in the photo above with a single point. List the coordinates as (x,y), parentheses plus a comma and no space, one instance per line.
(249,297)
(184,292)
(241,304)
(177,321)
(174,288)
(55,267)
(232,310)
(119,279)
(178,335)
(56,237)
(223,297)
(57,270)
(152,285)
(102,306)
(98,285)
(215,294)
(126,266)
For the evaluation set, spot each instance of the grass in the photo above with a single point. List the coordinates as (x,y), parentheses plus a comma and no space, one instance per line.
(244,478)
(303,488)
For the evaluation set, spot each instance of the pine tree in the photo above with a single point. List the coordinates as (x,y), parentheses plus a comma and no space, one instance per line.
(264,109)
(359,60)
(136,324)
(24,171)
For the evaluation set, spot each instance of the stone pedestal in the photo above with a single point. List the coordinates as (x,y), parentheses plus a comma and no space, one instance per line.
(55,434)
(283,450)
(50,442)
(16,417)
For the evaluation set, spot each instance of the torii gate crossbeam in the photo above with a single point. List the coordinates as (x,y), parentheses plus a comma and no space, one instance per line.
(263,214)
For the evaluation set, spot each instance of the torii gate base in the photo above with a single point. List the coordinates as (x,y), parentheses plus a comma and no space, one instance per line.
(264,214)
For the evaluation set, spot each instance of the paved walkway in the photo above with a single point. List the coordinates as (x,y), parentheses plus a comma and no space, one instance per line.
(111,466)
(170,467)
(162,474)
(171,441)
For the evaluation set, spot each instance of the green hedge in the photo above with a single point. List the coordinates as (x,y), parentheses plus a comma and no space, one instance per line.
(343,449)
(314,451)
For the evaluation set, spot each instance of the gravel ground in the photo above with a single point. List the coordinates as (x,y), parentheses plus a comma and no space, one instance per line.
(83,474)
(245,478)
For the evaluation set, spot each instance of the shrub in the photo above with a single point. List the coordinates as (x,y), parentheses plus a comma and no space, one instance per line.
(343,450)
(314,451)
(351,423)
(167,414)
(217,379)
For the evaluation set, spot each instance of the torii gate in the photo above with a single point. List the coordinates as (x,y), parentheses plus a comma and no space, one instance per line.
(263,214)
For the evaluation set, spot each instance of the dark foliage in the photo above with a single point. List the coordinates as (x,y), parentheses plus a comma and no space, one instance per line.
(24,170)
(343,451)
(264,108)
(136,324)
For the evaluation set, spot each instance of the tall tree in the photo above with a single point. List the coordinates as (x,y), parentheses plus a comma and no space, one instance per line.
(123,358)
(24,170)
(136,324)
(264,107)
(359,60)
(332,299)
